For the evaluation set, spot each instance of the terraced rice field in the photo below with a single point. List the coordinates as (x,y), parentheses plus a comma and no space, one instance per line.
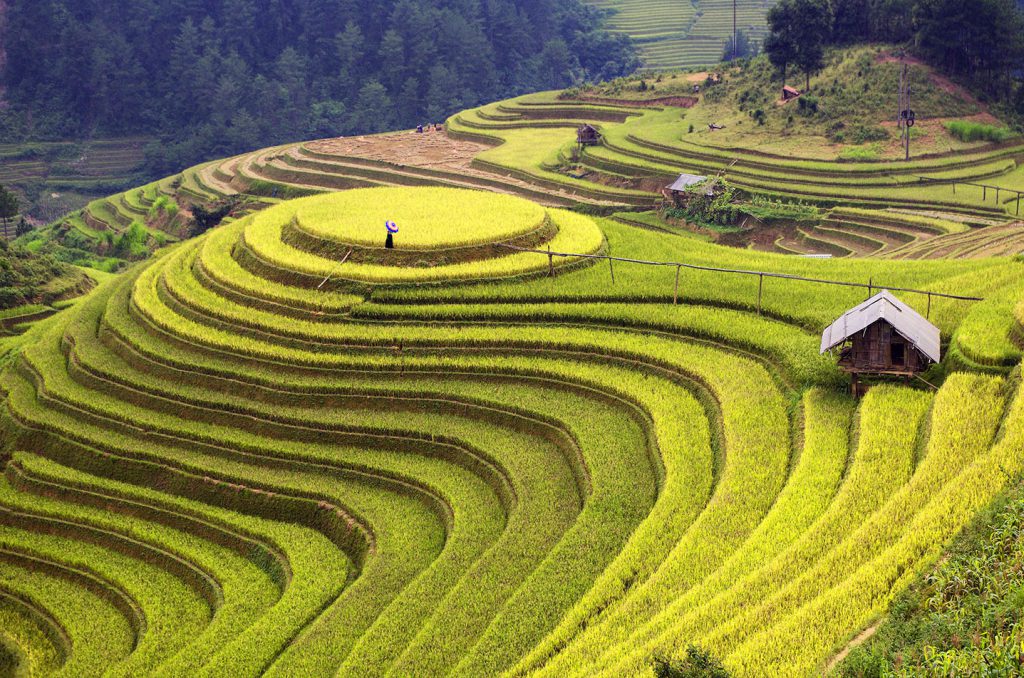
(851,232)
(63,176)
(265,452)
(676,35)
(523,147)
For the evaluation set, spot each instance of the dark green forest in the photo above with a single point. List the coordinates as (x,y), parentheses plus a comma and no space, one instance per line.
(211,78)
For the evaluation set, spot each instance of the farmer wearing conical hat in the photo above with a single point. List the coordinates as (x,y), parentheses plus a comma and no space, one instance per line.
(389,243)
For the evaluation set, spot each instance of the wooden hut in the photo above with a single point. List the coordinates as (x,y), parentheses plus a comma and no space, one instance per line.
(587,135)
(789,93)
(678,192)
(882,336)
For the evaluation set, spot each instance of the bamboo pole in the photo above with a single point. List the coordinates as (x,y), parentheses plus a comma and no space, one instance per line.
(760,286)
(675,297)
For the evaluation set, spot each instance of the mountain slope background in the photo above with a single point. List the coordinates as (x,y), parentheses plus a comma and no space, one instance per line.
(213,77)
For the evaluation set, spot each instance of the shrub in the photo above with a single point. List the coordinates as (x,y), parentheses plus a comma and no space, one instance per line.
(807,105)
(868,152)
(698,664)
(965,130)
(862,134)
(163,205)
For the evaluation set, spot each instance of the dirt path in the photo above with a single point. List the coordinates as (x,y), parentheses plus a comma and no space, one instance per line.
(861,637)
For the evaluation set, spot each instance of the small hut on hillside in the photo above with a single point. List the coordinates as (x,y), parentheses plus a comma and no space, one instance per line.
(789,93)
(687,185)
(883,336)
(587,135)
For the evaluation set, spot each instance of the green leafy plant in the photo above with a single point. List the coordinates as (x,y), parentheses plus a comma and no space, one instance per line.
(965,130)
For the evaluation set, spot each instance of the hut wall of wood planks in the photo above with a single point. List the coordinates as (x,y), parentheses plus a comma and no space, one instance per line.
(883,336)
(587,135)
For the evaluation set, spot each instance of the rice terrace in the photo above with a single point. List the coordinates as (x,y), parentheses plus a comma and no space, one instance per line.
(620,369)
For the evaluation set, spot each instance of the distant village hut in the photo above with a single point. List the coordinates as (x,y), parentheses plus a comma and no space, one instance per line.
(789,93)
(587,135)
(686,186)
(882,336)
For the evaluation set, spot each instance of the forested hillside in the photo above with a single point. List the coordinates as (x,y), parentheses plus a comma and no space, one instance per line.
(214,77)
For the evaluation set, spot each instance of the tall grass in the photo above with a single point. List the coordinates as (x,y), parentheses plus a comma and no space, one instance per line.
(965,130)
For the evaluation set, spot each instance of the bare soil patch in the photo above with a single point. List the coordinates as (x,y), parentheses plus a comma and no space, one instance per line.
(430,150)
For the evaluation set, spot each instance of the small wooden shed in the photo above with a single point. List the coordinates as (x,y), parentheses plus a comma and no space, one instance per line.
(587,135)
(680,190)
(789,93)
(883,336)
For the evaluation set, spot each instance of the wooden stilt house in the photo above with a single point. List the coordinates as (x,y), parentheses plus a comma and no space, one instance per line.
(883,336)
(587,135)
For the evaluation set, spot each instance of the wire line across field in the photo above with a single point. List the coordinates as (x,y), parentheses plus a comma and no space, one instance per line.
(760,274)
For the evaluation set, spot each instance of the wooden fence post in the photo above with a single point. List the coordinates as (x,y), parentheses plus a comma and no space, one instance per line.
(760,286)
(928,313)
(611,269)
(984,193)
(551,263)
(870,287)
(675,297)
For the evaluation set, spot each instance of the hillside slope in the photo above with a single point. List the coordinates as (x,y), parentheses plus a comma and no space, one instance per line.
(282,448)
(285,459)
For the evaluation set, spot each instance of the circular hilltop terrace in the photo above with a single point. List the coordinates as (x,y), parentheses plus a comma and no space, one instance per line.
(431,219)
(338,239)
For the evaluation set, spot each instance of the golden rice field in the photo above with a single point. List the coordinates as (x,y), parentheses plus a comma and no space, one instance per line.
(276,450)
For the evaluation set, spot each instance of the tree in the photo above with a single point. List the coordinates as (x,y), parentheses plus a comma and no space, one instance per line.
(814,21)
(22,228)
(373,109)
(800,29)
(984,38)
(779,44)
(851,22)
(555,64)
(740,50)
(291,71)
(442,99)
(8,205)
(327,118)
(349,44)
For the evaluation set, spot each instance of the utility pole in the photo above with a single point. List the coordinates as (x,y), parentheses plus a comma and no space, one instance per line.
(735,47)
(899,103)
(910,114)
(905,115)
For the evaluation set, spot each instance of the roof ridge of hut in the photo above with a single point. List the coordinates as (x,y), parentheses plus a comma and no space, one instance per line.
(910,324)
